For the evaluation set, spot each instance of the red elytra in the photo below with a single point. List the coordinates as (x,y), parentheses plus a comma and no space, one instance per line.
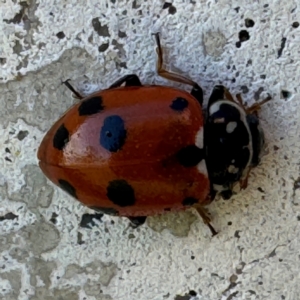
(144,151)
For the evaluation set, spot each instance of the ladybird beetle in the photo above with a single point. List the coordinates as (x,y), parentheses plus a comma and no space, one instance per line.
(134,151)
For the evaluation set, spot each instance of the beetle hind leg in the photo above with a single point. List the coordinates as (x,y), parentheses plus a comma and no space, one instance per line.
(206,219)
(196,91)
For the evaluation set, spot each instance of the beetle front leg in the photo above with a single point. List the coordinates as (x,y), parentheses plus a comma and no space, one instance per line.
(206,219)
(196,91)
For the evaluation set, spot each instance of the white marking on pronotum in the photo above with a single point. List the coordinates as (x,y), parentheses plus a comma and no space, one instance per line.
(232,169)
(199,138)
(231,126)
(218,188)
(201,167)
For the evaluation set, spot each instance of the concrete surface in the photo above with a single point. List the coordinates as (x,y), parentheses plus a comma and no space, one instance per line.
(51,247)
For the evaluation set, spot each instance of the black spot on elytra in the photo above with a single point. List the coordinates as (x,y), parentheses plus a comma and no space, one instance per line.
(179,104)
(67,187)
(91,106)
(190,156)
(105,210)
(87,220)
(137,221)
(189,201)
(61,137)
(113,133)
(120,193)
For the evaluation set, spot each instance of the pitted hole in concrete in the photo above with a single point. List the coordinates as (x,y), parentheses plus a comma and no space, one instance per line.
(172,10)
(263,76)
(244,89)
(8,216)
(22,135)
(103,47)
(185,297)
(238,44)
(53,218)
(101,30)
(229,223)
(237,9)
(60,35)
(249,23)
(257,93)
(285,94)
(122,34)
(167,5)
(244,36)
(3,60)
(295,25)
(282,45)
(87,220)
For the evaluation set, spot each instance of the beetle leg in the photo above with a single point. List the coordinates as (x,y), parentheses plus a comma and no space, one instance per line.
(206,219)
(257,106)
(196,91)
(129,80)
(244,179)
(70,87)
(136,221)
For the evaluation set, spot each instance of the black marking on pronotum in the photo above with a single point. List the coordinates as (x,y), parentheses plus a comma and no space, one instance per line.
(91,106)
(61,137)
(121,193)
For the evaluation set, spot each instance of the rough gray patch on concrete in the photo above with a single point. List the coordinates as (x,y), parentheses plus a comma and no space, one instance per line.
(214,42)
(41,237)
(14,279)
(57,294)
(42,269)
(178,224)
(36,192)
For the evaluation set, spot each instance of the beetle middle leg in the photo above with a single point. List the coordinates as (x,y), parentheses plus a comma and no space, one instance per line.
(196,91)
(206,219)
(70,87)
(255,107)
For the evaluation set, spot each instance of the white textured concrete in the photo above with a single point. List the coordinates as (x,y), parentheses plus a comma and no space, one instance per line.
(45,253)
